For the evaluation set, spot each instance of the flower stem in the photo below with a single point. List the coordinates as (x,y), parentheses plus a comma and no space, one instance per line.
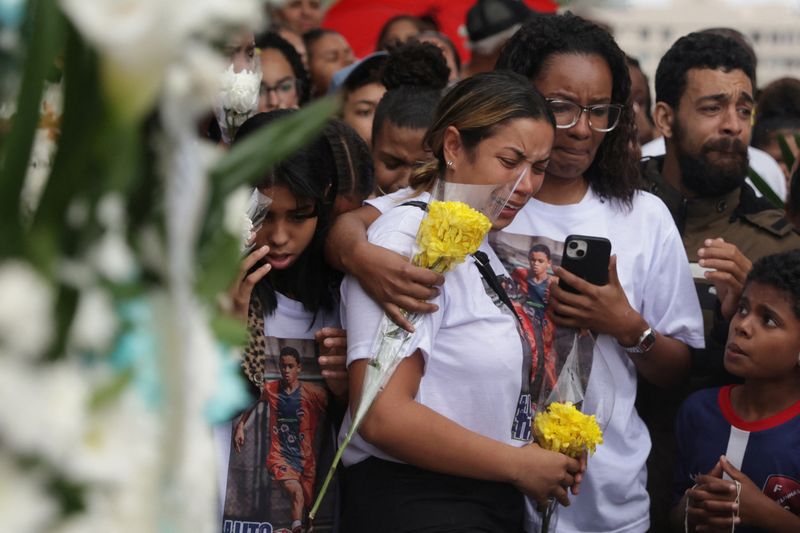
(331,470)
(547,515)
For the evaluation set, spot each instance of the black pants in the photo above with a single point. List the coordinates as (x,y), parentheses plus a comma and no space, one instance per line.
(386,497)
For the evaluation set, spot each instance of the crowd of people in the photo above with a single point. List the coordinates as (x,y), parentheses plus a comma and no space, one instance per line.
(696,334)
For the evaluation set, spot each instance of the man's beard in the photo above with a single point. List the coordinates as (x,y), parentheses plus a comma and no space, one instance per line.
(710,179)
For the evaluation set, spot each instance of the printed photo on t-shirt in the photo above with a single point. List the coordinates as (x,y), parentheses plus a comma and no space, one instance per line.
(530,260)
(282,446)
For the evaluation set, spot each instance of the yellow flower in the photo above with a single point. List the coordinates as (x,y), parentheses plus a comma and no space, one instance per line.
(450,232)
(562,428)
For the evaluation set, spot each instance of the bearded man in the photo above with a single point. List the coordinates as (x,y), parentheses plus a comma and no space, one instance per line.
(705,98)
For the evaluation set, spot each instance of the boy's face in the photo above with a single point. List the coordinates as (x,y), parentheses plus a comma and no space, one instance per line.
(290,369)
(764,336)
(539,263)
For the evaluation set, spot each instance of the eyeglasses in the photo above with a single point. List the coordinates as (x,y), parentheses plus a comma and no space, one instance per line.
(285,87)
(602,117)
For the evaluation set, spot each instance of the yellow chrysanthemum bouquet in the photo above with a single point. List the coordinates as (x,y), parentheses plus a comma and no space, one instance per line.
(572,409)
(450,232)
(563,428)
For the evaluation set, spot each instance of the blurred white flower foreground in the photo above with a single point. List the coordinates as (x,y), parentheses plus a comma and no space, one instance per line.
(88,443)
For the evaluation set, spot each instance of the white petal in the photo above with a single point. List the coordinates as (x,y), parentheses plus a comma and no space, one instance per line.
(26,321)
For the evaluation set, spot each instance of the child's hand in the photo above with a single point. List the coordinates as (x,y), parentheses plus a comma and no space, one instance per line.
(754,505)
(239,294)
(711,502)
(333,359)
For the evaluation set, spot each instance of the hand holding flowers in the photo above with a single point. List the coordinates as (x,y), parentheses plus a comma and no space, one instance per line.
(449,232)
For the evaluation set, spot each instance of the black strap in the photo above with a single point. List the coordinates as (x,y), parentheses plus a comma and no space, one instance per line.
(482,262)
(416,203)
(485,268)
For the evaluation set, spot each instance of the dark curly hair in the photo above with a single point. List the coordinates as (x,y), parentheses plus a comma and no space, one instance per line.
(781,271)
(614,173)
(778,108)
(290,351)
(702,50)
(308,174)
(271,40)
(414,75)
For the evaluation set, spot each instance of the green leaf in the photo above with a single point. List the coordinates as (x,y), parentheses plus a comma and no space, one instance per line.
(229,330)
(218,264)
(66,305)
(250,159)
(75,170)
(786,151)
(70,495)
(43,45)
(764,188)
(109,392)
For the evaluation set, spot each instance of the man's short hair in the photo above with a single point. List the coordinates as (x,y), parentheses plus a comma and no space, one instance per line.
(701,50)
(288,351)
(541,248)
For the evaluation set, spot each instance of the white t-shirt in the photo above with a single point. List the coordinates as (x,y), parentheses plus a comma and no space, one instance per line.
(289,321)
(471,348)
(760,161)
(654,272)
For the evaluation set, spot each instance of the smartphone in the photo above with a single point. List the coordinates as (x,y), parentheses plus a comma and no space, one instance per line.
(586,257)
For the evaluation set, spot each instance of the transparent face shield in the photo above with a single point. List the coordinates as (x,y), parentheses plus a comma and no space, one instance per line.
(489,199)
(257,209)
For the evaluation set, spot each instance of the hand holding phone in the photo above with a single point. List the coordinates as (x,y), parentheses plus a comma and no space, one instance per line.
(586,257)
(602,305)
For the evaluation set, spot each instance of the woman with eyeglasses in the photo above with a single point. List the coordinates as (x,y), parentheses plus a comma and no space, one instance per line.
(644,320)
(647,317)
(284,80)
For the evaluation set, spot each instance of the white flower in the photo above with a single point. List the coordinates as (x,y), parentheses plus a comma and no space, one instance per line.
(111,211)
(120,460)
(116,441)
(26,321)
(236,220)
(194,82)
(43,408)
(24,501)
(113,258)
(95,322)
(138,39)
(111,255)
(135,42)
(239,90)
